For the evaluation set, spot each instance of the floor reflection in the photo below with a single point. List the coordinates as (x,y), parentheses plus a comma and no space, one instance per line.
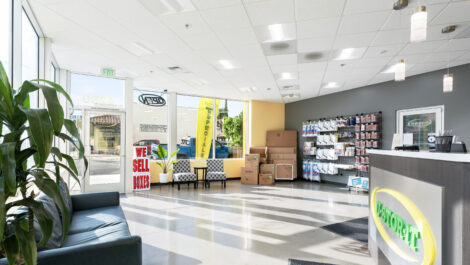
(246,224)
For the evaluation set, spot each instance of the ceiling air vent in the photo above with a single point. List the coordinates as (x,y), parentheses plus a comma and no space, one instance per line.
(311,57)
(281,47)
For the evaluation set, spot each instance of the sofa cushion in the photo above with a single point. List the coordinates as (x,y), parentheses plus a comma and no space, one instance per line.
(56,237)
(88,220)
(99,235)
(64,191)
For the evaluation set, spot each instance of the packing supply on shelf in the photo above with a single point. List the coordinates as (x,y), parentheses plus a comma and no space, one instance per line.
(326,154)
(327,139)
(309,148)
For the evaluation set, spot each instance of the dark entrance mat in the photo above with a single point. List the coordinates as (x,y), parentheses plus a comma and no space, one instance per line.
(356,229)
(304,262)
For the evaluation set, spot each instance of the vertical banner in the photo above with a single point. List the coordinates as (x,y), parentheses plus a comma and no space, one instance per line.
(204,127)
(140,169)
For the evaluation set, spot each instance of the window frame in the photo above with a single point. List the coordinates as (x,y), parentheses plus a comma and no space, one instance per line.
(214,129)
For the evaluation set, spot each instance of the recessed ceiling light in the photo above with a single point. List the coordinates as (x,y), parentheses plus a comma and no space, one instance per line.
(178,5)
(248,89)
(332,85)
(286,76)
(448,29)
(276,31)
(227,64)
(290,96)
(349,54)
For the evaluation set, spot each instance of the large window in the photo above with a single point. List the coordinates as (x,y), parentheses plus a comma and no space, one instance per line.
(150,120)
(30,55)
(6,35)
(198,126)
(229,131)
(94,91)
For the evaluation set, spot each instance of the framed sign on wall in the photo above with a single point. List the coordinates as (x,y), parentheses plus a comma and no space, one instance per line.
(422,123)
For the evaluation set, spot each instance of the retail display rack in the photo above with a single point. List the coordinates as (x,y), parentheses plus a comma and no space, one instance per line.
(339,147)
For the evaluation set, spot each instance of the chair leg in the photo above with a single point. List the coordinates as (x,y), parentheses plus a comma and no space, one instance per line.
(195,185)
(225,184)
(178,186)
(173,183)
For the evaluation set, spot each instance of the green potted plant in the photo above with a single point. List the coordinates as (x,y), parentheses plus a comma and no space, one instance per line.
(165,162)
(28,160)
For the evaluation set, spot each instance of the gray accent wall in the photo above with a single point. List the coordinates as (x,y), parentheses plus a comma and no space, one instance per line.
(422,90)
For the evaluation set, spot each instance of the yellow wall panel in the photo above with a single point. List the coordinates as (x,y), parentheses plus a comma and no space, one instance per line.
(265,116)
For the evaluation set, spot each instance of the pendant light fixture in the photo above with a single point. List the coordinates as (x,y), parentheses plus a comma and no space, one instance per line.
(400,70)
(448,83)
(419,24)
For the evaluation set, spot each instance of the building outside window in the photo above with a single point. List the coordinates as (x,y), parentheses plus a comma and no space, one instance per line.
(197,124)
(6,33)
(150,120)
(30,55)
(230,127)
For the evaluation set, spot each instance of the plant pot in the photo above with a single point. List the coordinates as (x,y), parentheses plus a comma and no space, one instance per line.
(163,177)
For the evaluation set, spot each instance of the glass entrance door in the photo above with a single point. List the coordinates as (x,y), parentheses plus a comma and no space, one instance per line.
(104,141)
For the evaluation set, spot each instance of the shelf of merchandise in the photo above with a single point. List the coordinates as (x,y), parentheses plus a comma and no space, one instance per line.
(352,139)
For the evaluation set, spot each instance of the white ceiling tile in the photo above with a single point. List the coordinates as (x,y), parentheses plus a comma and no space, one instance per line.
(401,19)
(365,6)
(354,41)
(455,45)
(235,37)
(246,51)
(455,12)
(360,23)
(226,18)
(206,4)
(313,9)
(286,68)
(317,44)
(319,28)
(203,41)
(271,12)
(289,32)
(374,62)
(381,51)
(391,37)
(287,59)
(187,23)
(311,68)
(422,47)
(444,56)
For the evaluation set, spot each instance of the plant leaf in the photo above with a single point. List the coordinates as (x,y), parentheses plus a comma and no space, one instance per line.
(45,222)
(41,131)
(12,248)
(2,204)
(56,112)
(8,165)
(23,155)
(6,93)
(72,129)
(51,189)
(71,163)
(59,88)
(56,152)
(28,246)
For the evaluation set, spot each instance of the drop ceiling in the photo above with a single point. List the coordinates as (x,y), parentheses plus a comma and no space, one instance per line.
(230,48)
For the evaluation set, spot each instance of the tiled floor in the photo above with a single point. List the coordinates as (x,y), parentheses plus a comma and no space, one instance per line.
(246,224)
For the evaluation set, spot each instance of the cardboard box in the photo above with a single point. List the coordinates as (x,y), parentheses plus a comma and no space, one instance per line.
(266,179)
(281,139)
(252,160)
(258,150)
(282,150)
(249,175)
(284,171)
(263,160)
(267,169)
(289,162)
(282,157)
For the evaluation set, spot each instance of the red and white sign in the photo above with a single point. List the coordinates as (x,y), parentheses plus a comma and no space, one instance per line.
(140,169)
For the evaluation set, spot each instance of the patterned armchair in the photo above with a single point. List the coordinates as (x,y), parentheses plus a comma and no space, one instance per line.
(215,172)
(182,173)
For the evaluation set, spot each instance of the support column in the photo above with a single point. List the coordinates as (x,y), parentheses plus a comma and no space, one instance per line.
(129,105)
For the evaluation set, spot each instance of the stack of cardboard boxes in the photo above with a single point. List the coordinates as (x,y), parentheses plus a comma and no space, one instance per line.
(256,170)
(282,152)
(276,161)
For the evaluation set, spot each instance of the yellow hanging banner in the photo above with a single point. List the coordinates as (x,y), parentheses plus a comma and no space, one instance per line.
(204,127)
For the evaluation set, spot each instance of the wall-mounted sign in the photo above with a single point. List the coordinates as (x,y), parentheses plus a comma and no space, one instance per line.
(108,72)
(140,169)
(152,100)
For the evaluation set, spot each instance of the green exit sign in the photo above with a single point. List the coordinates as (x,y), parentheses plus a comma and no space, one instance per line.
(108,72)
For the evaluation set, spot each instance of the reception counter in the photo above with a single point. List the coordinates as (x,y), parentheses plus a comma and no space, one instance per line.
(419,208)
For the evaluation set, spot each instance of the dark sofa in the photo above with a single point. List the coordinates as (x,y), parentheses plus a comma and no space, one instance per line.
(98,235)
